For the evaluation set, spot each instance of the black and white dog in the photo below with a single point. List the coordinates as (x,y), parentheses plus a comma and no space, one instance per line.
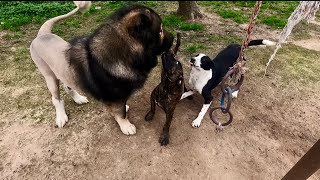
(206,74)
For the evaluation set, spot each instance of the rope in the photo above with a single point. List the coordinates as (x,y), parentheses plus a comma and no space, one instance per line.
(305,10)
(241,60)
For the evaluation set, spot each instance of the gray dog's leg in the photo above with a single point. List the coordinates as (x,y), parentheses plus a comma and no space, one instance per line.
(53,86)
(79,99)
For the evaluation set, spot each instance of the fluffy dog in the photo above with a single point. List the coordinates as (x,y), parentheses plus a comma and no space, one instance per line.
(109,64)
(168,93)
(206,74)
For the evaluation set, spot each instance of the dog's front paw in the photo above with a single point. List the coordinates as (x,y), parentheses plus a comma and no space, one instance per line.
(196,123)
(234,94)
(149,116)
(164,139)
(61,119)
(127,128)
(79,99)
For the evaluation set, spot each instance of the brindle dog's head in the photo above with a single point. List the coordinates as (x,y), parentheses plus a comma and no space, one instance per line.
(145,25)
(172,68)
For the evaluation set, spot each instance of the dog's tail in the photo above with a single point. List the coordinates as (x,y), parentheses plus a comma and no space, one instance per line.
(257,42)
(82,6)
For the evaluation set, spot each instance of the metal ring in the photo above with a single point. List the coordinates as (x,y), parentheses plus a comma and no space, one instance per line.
(215,120)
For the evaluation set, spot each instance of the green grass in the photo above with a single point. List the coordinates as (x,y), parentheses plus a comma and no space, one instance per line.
(299,64)
(195,47)
(236,16)
(292,64)
(274,21)
(15,14)
(272,13)
(229,39)
(176,22)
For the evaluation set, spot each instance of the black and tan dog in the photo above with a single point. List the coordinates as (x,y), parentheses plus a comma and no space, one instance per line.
(109,64)
(168,93)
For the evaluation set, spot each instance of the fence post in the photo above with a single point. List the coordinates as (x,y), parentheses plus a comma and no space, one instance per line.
(307,165)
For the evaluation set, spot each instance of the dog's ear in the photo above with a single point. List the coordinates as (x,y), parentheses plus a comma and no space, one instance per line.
(143,22)
(206,63)
(138,22)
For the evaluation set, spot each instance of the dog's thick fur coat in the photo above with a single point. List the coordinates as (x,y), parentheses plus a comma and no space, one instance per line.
(109,64)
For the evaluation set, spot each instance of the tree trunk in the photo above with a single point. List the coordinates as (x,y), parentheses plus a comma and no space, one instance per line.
(189,10)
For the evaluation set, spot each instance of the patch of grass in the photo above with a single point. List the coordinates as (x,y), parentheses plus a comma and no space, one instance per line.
(172,21)
(113,5)
(236,16)
(148,3)
(272,13)
(299,31)
(274,21)
(193,48)
(15,14)
(299,63)
(192,27)
(227,39)
(244,3)
(292,64)
(176,22)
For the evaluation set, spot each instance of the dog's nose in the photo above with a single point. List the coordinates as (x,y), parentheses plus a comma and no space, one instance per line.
(193,60)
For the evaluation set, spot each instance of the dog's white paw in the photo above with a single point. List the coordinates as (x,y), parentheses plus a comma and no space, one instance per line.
(127,128)
(61,119)
(80,99)
(196,123)
(235,94)
(127,108)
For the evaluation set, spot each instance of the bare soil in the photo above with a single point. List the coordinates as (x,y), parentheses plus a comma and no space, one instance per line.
(276,122)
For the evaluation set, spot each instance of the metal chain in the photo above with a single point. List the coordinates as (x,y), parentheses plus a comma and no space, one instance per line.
(235,71)
(240,61)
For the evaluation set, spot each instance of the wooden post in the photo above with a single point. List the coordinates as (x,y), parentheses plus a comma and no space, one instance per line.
(307,165)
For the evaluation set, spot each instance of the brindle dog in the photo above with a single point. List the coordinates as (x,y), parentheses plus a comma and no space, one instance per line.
(168,93)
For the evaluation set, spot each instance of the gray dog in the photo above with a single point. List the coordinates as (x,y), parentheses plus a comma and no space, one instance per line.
(110,64)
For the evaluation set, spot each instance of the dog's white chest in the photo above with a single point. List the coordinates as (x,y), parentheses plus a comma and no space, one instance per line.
(199,78)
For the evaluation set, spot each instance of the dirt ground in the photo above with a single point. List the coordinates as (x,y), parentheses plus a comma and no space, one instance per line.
(276,122)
